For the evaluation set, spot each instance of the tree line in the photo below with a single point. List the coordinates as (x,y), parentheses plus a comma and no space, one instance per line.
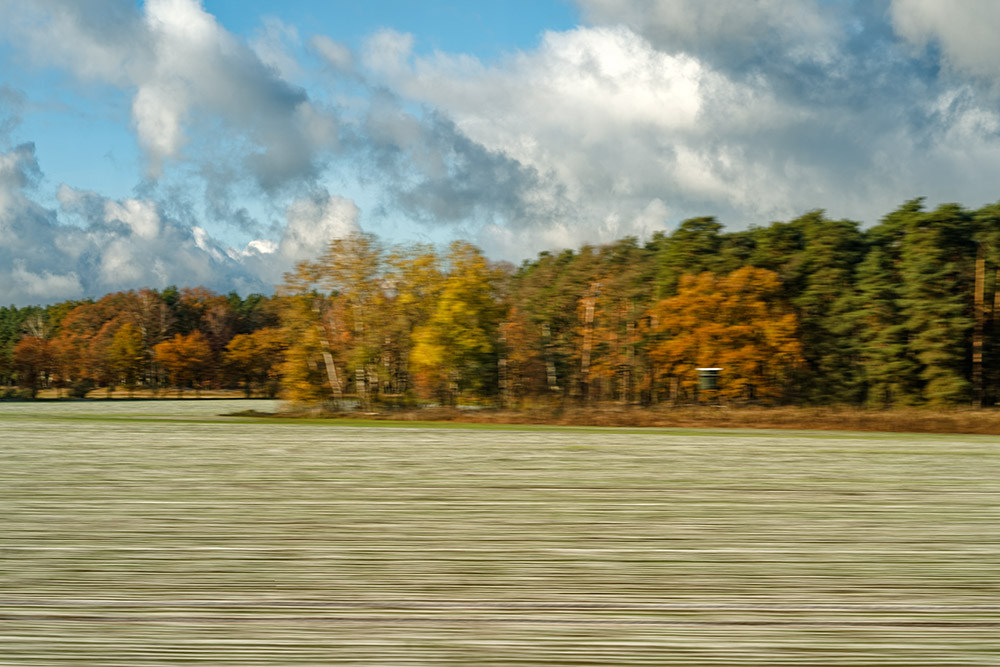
(809,311)
(174,338)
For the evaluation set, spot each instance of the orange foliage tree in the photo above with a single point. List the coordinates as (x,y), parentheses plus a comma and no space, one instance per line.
(33,362)
(521,365)
(187,359)
(738,322)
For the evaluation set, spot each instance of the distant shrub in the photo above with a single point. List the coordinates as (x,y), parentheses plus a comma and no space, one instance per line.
(81,388)
(396,401)
(15,394)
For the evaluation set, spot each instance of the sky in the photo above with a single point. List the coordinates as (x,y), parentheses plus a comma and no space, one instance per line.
(218,142)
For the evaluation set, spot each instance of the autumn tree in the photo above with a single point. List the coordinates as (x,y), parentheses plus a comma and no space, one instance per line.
(186,358)
(100,365)
(612,350)
(271,346)
(126,355)
(67,363)
(310,373)
(352,268)
(737,322)
(241,361)
(316,329)
(413,283)
(33,363)
(521,369)
(455,350)
(254,358)
(333,312)
(150,315)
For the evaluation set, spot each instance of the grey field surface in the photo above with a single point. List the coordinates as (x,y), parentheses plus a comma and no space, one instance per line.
(157,533)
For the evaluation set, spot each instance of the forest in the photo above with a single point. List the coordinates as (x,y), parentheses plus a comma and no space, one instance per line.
(812,311)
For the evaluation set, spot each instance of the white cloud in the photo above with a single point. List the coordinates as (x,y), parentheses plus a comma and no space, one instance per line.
(260,247)
(312,222)
(597,128)
(140,216)
(337,55)
(752,112)
(124,244)
(100,40)
(733,31)
(966,31)
(388,50)
(45,285)
(273,45)
(187,73)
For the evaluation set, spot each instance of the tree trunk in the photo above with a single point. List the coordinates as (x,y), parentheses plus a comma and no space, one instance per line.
(977,331)
(502,369)
(994,378)
(629,355)
(360,388)
(588,334)
(550,366)
(332,377)
(331,367)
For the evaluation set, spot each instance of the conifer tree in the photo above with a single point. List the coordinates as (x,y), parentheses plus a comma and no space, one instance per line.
(937,270)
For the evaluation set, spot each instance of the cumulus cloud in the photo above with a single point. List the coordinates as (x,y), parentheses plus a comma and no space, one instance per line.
(313,221)
(336,55)
(93,245)
(102,40)
(42,286)
(589,134)
(436,174)
(187,72)
(273,45)
(733,32)
(665,109)
(965,31)
(199,95)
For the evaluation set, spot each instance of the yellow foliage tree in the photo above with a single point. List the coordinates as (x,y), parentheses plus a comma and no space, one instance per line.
(331,318)
(254,359)
(456,349)
(126,355)
(316,336)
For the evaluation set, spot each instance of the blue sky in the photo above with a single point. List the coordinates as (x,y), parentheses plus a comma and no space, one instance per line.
(483,28)
(218,142)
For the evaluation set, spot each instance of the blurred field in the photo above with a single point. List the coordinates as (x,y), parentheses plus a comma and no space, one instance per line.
(140,533)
